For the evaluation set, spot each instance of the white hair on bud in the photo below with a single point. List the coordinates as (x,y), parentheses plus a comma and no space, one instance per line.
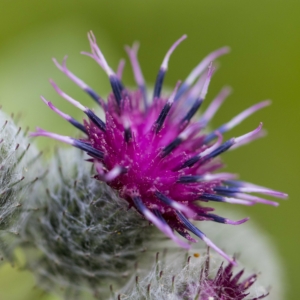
(18,162)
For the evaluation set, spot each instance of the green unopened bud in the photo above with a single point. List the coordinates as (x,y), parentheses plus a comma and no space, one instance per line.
(17,174)
(79,235)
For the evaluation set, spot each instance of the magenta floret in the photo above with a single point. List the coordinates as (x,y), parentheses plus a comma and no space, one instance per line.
(224,285)
(155,153)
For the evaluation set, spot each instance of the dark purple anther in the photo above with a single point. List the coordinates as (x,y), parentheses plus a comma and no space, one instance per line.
(174,144)
(89,149)
(78,125)
(220,150)
(192,111)
(127,134)
(117,88)
(162,116)
(159,83)
(189,179)
(97,121)
(94,95)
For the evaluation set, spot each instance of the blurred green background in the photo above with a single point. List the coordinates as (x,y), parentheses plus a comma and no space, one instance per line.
(264,64)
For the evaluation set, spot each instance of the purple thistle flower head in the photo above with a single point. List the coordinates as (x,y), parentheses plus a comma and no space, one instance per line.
(155,153)
(225,285)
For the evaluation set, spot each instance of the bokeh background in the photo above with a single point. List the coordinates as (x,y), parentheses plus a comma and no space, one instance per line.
(264,36)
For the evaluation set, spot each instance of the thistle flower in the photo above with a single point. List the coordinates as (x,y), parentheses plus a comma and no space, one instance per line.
(155,153)
(77,236)
(199,278)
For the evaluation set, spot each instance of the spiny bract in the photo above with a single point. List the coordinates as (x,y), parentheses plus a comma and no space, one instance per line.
(154,153)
